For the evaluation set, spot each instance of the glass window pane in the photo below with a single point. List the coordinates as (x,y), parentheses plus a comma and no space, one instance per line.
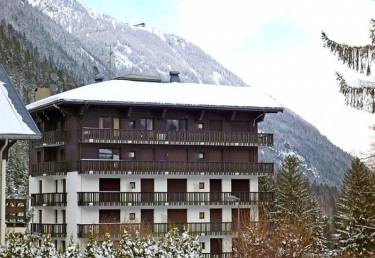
(106,122)
(149,125)
(182,125)
(105,154)
(172,125)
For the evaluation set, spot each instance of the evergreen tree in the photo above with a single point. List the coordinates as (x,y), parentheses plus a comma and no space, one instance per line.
(294,202)
(360,59)
(355,219)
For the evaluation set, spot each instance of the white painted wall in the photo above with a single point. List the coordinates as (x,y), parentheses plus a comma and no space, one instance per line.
(73,212)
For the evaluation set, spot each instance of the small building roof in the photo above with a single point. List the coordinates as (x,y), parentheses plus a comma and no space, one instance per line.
(191,95)
(15,121)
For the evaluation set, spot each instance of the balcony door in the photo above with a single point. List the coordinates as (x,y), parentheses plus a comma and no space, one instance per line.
(147,220)
(177,189)
(106,220)
(177,218)
(244,217)
(147,190)
(215,190)
(216,219)
(109,190)
(241,189)
(216,246)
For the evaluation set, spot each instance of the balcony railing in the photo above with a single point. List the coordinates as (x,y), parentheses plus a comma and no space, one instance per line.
(49,168)
(217,255)
(15,212)
(216,138)
(116,229)
(48,199)
(50,138)
(54,230)
(173,167)
(165,198)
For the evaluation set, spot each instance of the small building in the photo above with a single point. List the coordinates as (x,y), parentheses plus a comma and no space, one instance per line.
(148,156)
(15,124)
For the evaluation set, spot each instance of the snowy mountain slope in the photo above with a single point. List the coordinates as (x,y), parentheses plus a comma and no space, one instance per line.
(75,39)
(135,49)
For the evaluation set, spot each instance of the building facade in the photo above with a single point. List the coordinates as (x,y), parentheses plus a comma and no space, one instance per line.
(109,162)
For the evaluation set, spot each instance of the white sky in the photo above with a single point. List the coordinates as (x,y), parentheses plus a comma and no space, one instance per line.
(272,45)
(275,45)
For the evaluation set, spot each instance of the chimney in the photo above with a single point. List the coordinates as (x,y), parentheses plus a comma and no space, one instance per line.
(174,76)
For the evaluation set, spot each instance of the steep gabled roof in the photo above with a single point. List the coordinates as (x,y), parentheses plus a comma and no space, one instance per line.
(15,121)
(164,94)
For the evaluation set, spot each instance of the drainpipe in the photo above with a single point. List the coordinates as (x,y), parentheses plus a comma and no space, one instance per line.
(3,191)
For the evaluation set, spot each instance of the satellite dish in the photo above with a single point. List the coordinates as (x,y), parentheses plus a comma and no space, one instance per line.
(54,88)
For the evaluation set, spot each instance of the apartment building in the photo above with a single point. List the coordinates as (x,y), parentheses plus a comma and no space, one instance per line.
(148,156)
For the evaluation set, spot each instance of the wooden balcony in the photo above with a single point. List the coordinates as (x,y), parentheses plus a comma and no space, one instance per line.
(54,230)
(49,168)
(98,166)
(15,212)
(158,229)
(212,138)
(50,139)
(48,199)
(171,199)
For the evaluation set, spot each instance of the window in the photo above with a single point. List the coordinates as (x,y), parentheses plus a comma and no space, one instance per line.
(56,216)
(56,186)
(201,185)
(203,245)
(176,125)
(105,153)
(109,123)
(146,124)
(131,155)
(200,126)
(131,216)
(200,155)
(131,124)
(201,215)
(132,185)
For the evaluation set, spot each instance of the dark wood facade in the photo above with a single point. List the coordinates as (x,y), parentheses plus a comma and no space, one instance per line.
(73,133)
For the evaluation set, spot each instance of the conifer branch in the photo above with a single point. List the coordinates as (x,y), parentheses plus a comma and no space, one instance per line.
(358,58)
(361,97)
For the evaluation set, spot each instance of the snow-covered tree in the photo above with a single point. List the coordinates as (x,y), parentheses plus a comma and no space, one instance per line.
(175,244)
(72,251)
(294,202)
(96,248)
(355,219)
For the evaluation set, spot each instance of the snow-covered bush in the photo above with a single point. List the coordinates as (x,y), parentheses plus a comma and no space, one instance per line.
(173,245)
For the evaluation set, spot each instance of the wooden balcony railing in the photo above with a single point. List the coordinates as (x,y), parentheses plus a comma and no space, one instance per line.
(163,198)
(116,229)
(216,138)
(98,166)
(54,230)
(50,138)
(217,255)
(15,212)
(48,199)
(49,168)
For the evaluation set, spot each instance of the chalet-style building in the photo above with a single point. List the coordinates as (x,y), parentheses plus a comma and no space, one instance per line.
(148,156)
(15,124)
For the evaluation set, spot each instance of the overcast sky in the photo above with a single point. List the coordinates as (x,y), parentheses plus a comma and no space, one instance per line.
(272,45)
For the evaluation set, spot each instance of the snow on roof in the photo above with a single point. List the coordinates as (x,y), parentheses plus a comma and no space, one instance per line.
(15,121)
(167,94)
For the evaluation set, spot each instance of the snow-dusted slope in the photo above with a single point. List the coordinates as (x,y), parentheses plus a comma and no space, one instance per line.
(135,49)
(75,38)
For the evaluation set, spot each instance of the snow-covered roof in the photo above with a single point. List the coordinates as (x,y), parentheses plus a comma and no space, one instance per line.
(165,94)
(15,121)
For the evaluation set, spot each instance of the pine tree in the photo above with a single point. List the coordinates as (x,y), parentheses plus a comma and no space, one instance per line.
(294,203)
(355,219)
(359,59)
